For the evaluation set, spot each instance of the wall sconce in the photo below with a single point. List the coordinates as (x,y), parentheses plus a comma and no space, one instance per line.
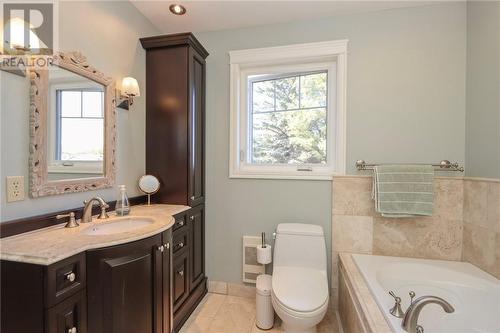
(130,89)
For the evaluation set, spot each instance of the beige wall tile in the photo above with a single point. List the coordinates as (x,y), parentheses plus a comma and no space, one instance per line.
(240,290)
(448,199)
(420,237)
(494,206)
(353,196)
(479,247)
(217,287)
(475,202)
(352,234)
(335,270)
(496,270)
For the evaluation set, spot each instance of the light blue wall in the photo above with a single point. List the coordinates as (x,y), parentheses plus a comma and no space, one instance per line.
(112,46)
(406,103)
(483,89)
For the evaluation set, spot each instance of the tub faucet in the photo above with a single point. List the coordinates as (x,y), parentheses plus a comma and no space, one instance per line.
(410,319)
(87,210)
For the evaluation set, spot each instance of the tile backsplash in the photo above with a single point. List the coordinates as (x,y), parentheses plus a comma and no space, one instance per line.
(465,224)
(357,228)
(481,241)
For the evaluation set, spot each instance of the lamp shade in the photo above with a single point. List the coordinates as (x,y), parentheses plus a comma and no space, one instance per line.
(130,87)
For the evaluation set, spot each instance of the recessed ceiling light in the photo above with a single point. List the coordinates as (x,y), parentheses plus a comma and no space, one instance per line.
(177,9)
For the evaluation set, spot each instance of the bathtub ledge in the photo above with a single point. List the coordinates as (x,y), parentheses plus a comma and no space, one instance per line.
(357,298)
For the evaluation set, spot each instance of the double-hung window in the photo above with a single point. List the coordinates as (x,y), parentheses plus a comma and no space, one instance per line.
(288,111)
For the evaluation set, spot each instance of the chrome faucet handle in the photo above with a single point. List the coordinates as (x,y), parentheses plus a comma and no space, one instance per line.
(412,296)
(72,220)
(396,310)
(103,214)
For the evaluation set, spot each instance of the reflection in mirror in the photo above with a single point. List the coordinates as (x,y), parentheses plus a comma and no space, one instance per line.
(75,126)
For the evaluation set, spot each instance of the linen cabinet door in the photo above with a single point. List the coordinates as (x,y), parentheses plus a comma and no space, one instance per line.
(124,285)
(197,253)
(196,105)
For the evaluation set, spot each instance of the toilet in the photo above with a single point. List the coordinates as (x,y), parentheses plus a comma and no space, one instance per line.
(300,284)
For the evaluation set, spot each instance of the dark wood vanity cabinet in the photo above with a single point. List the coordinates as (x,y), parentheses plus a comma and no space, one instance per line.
(119,289)
(175,154)
(128,287)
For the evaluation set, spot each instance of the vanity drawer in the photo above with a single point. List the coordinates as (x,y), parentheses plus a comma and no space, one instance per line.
(180,279)
(180,223)
(64,278)
(69,316)
(181,241)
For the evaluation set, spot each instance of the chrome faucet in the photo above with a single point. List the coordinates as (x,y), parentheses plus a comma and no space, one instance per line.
(410,319)
(87,209)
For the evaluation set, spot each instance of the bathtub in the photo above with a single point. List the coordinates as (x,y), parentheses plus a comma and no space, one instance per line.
(474,294)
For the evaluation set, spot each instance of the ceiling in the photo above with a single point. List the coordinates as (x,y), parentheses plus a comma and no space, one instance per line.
(221,15)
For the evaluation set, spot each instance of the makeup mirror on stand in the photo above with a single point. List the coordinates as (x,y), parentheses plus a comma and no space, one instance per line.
(149,184)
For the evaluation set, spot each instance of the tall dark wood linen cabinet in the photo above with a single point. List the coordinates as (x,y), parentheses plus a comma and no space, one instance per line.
(175,153)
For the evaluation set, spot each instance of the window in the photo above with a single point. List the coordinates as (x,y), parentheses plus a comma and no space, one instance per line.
(288,119)
(287,111)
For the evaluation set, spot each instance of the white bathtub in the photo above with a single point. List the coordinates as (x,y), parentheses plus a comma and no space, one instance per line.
(474,294)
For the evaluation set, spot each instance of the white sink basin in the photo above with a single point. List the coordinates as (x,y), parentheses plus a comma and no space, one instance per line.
(117,226)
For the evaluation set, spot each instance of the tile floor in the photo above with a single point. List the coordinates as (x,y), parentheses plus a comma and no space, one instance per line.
(230,314)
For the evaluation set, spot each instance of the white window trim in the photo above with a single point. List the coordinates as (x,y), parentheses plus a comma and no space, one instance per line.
(330,55)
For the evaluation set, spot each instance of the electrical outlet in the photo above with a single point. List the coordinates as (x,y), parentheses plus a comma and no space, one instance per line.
(15,188)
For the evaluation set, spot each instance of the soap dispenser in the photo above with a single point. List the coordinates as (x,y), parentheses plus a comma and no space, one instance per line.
(122,203)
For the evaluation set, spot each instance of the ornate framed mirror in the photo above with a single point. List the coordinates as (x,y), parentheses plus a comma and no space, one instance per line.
(72,127)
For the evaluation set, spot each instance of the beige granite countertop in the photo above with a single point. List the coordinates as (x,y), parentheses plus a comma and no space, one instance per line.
(52,244)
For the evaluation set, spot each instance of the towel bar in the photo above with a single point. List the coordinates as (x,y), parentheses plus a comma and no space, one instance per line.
(444,165)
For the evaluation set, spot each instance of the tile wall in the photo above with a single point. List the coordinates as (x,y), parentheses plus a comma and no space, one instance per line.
(357,228)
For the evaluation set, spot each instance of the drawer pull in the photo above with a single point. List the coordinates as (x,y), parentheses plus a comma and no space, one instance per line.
(191,217)
(71,277)
(181,273)
(72,330)
(180,245)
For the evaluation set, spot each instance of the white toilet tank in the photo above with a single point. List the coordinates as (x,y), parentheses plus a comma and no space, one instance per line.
(300,245)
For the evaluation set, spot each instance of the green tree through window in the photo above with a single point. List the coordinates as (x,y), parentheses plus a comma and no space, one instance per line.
(288,119)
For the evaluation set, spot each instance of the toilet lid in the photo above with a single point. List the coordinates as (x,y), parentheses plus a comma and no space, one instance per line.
(300,289)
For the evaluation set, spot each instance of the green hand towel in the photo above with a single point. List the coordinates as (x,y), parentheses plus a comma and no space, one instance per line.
(403,190)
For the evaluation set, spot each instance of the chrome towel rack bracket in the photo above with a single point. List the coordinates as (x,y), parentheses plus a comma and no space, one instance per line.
(444,165)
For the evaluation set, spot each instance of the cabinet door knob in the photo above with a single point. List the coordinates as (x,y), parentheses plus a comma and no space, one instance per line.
(71,276)
(181,273)
(167,245)
(191,217)
(181,244)
(193,197)
(180,223)
(161,248)
(72,330)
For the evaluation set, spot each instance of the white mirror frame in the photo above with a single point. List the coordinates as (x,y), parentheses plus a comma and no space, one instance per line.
(40,185)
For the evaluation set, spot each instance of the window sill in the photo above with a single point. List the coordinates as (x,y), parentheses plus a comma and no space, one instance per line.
(328,177)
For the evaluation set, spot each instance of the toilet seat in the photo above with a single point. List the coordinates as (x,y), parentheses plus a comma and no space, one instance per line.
(299,291)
